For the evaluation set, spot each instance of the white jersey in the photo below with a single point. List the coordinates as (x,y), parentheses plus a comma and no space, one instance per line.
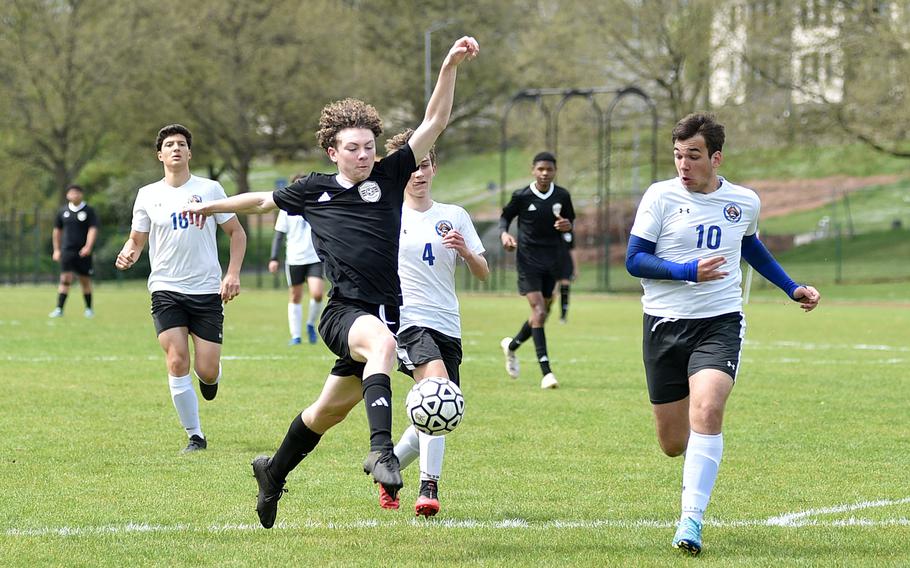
(299,241)
(427,268)
(184,258)
(687,226)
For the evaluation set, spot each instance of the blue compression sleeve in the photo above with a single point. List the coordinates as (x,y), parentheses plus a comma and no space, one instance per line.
(755,253)
(641,262)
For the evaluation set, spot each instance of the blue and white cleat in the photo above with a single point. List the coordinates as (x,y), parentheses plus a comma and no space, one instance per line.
(295,341)
(688,536)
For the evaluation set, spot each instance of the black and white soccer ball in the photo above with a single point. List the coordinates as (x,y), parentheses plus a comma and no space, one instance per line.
(435,406)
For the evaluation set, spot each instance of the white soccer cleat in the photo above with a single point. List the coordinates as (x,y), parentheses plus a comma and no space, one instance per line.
(57,313)
(89,313)
(549,382)
(512,366)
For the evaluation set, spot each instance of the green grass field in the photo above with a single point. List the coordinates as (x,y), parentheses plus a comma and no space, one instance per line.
(814,472)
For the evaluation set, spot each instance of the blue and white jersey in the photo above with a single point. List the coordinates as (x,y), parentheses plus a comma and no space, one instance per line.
(427,268)
(688,226)
(184,258)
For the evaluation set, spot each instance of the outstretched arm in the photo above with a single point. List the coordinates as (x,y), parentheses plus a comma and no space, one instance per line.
(439,107)
(252,202)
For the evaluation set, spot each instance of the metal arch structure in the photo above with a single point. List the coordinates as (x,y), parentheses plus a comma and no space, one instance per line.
(604,148)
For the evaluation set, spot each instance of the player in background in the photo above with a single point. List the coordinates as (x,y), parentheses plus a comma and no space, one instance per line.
(434,236)
(301,264)
(689,235)
(74,235)
(355,215)
(185,282)
(545,213)
(567,274)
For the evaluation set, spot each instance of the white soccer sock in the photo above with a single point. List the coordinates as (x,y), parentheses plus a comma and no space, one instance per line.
(186,403)
(703,455)
(407,448)
(432,449)
(295,319)
(314,310)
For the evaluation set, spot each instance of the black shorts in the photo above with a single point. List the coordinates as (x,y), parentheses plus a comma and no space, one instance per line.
(298,273)
(202,314)
(70,261)
(335,325)
(538,271)
(675,349)
(420,345)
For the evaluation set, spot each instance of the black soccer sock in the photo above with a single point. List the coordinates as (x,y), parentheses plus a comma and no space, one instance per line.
(88,301)
(540,347)
(61,299)
(564,300)
(297,443)
(523,335)
(377,398)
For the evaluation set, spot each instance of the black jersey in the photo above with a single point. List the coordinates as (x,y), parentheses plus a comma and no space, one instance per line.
(356,230)
(75,226)
(536,214)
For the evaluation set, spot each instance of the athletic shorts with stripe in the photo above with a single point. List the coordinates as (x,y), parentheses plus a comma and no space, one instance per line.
(675,349)
(419,345)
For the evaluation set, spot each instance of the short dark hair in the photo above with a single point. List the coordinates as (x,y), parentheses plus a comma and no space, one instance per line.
(171,130)
(74,186)
(398,141)
(701,123)
(544,157)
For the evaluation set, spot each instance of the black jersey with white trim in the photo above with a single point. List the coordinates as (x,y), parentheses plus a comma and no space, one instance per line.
(356,230)
(536,214)
(75,226)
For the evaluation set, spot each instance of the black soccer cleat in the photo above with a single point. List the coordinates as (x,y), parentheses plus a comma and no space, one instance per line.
(196,443)
(270,491)
(209,392)
(384,466)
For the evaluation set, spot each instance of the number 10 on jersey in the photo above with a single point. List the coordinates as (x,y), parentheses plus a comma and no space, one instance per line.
(713,237)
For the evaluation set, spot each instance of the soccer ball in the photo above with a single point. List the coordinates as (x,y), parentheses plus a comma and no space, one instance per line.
(435,406)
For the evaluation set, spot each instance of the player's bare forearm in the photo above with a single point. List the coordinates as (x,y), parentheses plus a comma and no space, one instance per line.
(439,107)
(131,250)
(478,266)
(252,202)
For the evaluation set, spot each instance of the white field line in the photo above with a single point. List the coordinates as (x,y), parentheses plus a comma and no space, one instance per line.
(789,520)
(788,345)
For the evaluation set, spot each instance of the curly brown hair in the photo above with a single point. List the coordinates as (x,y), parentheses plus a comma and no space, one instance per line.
(346,113)
(396,142)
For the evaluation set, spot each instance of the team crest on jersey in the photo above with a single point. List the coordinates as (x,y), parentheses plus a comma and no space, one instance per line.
(82,215)
(369,191)
(66,214)
(443,227)
(194,199)
(732,212)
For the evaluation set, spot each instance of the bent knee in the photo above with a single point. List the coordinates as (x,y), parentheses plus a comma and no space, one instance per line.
(673,448)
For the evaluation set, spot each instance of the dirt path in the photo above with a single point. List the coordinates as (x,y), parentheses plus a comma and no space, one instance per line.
(780,197)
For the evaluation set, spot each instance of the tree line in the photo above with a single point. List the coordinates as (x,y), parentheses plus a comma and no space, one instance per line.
(85,84)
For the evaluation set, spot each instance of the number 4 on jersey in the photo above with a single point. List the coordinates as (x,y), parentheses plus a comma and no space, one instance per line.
(428,254)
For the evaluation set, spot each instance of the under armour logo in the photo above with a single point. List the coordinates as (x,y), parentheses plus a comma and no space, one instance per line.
(381,401)
(731,365)
(682,210)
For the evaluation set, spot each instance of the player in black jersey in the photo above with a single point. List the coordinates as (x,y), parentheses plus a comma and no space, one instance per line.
(355,215)
(75,232)
(545,213)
